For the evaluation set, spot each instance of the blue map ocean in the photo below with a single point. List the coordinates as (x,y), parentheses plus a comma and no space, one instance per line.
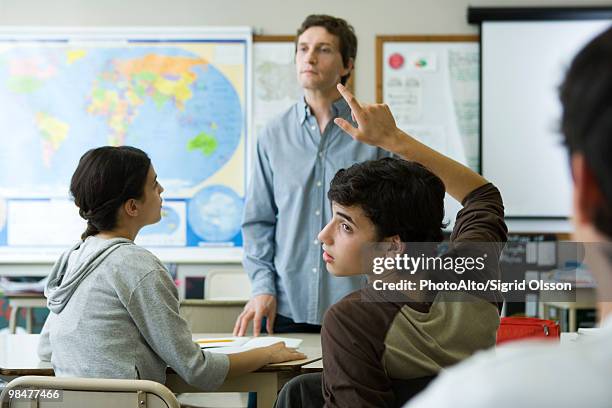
(32,166)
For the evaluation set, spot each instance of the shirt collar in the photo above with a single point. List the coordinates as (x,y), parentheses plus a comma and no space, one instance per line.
(303,110)
(339,108)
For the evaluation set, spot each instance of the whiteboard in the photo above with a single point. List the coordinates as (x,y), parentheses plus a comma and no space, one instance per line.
(523,64)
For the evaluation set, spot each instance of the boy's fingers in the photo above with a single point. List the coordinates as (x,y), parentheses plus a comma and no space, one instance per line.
(351,100)
(347,127)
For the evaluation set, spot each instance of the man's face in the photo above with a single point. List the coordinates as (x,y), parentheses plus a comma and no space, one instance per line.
(344,240)
(318,60)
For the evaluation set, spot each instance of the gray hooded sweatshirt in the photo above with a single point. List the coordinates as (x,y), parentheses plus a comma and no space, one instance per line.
(115,314)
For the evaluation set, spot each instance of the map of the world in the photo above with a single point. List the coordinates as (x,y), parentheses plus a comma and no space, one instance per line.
(181,102)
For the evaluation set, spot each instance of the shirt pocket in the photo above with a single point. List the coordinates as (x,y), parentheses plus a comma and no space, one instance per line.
(293,182)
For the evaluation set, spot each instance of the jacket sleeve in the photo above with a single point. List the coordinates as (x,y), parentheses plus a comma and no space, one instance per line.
(482,217)
(154,307)
(480,231)
(354,374)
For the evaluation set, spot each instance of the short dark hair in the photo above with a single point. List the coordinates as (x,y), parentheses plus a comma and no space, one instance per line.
(586,122)
(338,27)
(105,178)
(400,197)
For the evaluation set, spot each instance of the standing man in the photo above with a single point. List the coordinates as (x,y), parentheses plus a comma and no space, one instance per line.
(286,205)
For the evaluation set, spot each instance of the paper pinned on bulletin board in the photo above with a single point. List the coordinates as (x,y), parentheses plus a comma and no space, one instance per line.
(431,84)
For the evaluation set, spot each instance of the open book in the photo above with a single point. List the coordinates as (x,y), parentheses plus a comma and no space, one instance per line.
(229,345)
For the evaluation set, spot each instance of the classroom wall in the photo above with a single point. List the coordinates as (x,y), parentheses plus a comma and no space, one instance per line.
(271,17)
(267,17)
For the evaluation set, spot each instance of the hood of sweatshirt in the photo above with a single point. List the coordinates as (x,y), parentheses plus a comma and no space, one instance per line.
(74,266)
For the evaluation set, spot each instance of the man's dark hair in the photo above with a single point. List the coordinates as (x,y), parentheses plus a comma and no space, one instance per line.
(586,122)
(105,178)
(338,27)
(400,198)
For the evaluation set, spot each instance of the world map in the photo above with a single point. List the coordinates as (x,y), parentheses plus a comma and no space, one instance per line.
(177,104)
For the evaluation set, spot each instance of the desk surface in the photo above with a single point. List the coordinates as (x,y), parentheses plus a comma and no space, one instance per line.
(24,295)
(314,367)
(18,354)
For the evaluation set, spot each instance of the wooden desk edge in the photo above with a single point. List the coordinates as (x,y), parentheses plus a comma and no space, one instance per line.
(21,372)
(288,366)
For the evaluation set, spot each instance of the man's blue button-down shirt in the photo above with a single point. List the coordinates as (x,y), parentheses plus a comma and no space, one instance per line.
(286,207)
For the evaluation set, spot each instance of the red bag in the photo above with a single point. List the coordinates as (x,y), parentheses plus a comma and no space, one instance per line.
(517,328)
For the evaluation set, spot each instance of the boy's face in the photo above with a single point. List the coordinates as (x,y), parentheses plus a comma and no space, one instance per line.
(344,239)
(318,59)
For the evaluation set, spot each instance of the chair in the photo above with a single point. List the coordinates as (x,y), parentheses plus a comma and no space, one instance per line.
(211,316)
(91,393)
(227,284)
(306,389)
(27,301)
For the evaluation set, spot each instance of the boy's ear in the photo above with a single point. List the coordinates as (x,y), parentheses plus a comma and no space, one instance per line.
(395,245)
(131,207)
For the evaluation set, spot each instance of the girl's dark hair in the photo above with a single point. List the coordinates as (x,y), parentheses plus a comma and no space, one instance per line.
(400,197)
(105,178)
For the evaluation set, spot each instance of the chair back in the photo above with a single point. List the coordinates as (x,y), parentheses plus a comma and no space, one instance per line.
(227,284)
(211,316)
(70,392)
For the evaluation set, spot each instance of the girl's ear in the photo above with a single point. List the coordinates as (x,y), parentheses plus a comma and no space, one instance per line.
(131,207)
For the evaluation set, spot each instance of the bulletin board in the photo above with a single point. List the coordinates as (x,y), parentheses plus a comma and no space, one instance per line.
(275,86)
(431,84)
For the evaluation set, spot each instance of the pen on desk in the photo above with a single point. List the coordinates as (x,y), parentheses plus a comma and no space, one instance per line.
(214,341)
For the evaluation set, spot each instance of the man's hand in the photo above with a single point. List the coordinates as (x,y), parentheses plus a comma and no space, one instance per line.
(258,307)
(375,123)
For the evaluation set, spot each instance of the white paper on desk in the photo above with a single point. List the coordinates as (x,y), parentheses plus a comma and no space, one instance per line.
(255,342)
(268,341)
(590,331)
(214,342)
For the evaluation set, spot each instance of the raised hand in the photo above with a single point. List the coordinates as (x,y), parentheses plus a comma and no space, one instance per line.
(375,123)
